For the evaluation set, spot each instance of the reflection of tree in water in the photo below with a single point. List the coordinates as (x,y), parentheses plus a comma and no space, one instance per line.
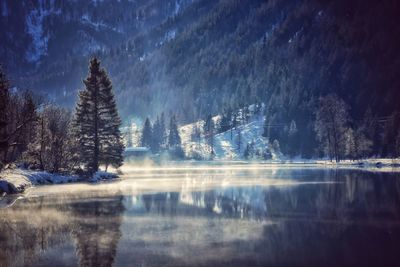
(231,203)
(161,201)
(147,200)
(25,234)
(355,196)
(197,198)
(209,200)
(174,200)
(97,230)
(17,248)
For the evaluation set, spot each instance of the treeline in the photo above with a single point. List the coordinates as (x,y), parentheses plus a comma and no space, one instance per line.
(44,136)
(158,138)
(335,133)
(342,137)
(33,132)
(18,114)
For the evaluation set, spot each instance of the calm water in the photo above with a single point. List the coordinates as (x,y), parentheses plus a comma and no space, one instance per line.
(236,216)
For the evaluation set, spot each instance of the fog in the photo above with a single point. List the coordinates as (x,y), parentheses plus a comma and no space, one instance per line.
(175,177)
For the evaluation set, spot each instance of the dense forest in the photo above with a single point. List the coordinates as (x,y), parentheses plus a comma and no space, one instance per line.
(201,58)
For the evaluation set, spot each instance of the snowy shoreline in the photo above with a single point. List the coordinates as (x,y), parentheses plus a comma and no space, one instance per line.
(16,181)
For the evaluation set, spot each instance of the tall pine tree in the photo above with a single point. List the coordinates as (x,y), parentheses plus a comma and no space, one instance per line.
(209,133)
(163,131)
(96,122)
(147,135)
(174,139)
(111,142)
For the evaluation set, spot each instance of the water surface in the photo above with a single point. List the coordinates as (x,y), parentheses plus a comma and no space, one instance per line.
(238,215)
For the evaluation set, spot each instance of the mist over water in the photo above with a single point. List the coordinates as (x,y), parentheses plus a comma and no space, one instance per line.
(208,215)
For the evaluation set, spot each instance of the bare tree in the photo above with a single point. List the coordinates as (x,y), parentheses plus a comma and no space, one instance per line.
(18,126)
(52,149)
(331,125)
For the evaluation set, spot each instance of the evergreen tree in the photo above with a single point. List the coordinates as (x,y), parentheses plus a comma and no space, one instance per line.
(292,142)
(174,140)
(246,153)
(226,121)
(209,133)
(157,136)
(147,134)
(239,140)
(84,132)
(249,151)
(196,134)
(96,122)
(128,134)
(163,131)
(246,114)
(233,124)
(111,141)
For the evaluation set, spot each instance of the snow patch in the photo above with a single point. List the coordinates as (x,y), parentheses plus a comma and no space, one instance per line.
(177,7)
(34,25)
(98,25)
(296,34)
(102,176)
(168,36)
(142,58)
(226,144)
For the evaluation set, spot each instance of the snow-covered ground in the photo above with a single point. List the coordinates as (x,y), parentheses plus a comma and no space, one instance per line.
(372,164)
(229,145)
(17,180)
(102,176)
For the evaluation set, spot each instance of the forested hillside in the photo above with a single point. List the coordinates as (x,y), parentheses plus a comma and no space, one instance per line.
(195,58)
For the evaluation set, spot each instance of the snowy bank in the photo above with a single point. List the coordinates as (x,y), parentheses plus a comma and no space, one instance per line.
(381,164)
(15,181)
(102,176)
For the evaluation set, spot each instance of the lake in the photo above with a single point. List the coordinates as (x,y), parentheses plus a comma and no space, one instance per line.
(208,215)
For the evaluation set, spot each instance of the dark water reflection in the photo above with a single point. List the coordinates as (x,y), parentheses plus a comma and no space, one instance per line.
(352,222)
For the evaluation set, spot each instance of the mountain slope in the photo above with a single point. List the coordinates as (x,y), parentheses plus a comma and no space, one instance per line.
(231,144)
(195,58)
